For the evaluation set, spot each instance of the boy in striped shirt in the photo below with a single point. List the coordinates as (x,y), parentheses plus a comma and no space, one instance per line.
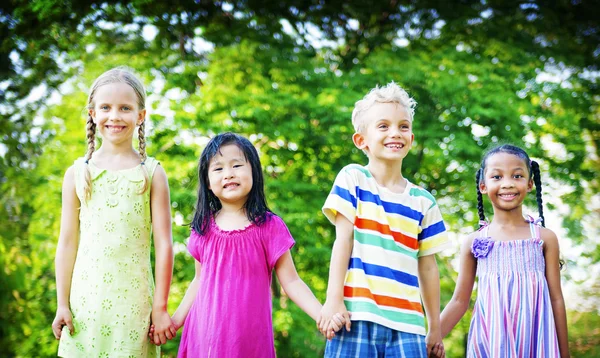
(387,233)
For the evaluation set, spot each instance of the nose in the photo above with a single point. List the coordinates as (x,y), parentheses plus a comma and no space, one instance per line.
(507,183)
(228,173)
(113,114)
(395,132)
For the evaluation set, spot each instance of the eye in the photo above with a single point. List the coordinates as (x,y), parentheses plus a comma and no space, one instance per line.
(518,176)
(495,177)
(382,126)
(405,127)
(104,107)
(126,108)
(238,165)
(217,169)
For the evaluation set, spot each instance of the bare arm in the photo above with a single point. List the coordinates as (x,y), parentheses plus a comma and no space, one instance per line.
(294,287)
(340,256)
(66,252)
(458,305)
(551,255)
(188,299)
(160,205)
(429,284)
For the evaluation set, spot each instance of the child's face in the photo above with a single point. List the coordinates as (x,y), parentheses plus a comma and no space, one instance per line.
(506,181)
(116,112)
(387,133)
(230,175)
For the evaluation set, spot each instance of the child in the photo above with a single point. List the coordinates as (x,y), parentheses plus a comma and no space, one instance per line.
(387,232)
(237,242)
(519,310)
(111,199)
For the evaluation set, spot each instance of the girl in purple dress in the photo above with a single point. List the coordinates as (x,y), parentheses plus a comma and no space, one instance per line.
(520,311)
(237,243)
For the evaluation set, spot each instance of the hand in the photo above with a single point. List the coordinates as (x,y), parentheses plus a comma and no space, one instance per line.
(336,323)
(162,327)
(63,317)
(329,310)
(435,346)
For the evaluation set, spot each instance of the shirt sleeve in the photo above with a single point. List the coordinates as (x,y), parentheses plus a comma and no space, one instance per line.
(433,237)
(195,245)
(278,241)
(342,197)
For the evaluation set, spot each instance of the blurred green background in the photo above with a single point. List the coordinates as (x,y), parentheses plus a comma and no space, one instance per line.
(287,75)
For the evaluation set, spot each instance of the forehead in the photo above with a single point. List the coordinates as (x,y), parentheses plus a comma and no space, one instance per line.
(117,92)
(229,152)
(389,111)
(505,161)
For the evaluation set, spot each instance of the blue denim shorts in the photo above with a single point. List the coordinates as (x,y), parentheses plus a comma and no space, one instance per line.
(369,340)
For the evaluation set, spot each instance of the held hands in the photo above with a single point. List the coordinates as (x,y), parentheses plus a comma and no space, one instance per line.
(332,318)
(63,318)
(435,346)
(162,327)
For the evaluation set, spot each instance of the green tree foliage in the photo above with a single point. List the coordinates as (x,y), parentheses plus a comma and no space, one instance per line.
(287,77)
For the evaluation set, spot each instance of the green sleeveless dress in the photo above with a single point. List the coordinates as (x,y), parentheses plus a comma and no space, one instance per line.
(112,286)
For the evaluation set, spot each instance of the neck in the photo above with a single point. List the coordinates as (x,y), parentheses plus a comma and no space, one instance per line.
(508,218)
(232,209)
(109,149)
(387,174)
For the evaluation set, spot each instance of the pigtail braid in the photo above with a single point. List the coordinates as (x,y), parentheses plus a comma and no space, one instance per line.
(535,170)
(143,156)
(479,197)
(91,139)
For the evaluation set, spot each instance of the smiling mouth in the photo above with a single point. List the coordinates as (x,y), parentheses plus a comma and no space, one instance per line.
(230,185)
(394,146)
(115,129)
(508,196)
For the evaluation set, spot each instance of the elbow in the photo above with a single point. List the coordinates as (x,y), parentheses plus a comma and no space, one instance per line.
(459,305)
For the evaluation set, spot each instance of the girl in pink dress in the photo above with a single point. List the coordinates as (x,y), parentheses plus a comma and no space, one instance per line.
(520,311)
(237,242)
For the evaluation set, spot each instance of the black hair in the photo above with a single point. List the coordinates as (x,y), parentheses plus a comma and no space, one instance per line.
(208,204)
(532,167)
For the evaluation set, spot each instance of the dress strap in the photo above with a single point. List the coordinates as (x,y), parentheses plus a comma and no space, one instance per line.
(534,226)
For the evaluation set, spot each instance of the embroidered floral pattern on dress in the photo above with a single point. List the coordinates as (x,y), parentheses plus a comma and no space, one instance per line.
(481,246)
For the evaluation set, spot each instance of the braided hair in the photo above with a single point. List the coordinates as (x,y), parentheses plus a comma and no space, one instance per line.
(532,167)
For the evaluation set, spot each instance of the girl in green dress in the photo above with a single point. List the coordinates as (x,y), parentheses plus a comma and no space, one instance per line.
(112,199)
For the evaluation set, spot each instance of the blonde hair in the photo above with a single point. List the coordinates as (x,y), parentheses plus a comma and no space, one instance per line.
(119,74)
(390,93)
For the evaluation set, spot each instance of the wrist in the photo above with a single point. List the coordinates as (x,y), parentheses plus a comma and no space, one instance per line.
(159,308)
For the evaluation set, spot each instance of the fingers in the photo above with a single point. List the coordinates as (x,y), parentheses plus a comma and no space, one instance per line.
(173,331)
(56,329)
(336,322)
(347,320)
(437,350)
(69,323)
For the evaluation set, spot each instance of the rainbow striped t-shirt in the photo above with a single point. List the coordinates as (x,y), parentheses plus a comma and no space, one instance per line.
(391,231)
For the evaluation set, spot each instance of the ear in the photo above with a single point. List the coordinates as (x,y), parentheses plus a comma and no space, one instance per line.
(359,141)
(529,185)
(141,117)
(92,113)
(482,187)
(412,139)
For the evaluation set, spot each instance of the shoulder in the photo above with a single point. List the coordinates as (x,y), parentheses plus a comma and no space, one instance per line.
(69,178)
(355,170)
(468,241)
(272,219)
(420,192)
(548,237)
